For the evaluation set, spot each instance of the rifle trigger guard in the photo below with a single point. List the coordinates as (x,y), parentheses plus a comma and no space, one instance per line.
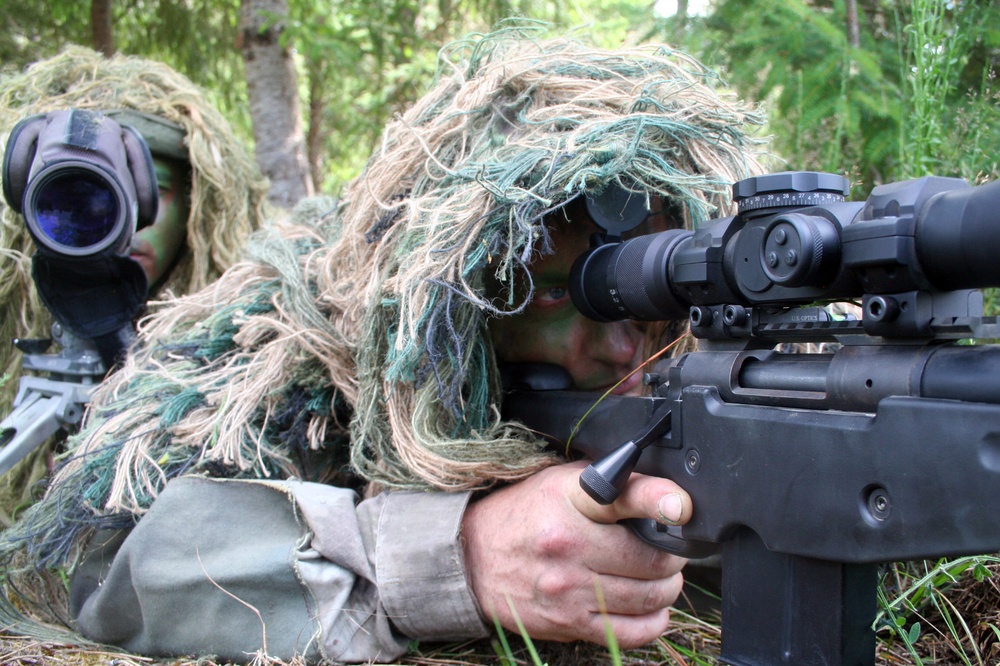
(670,538)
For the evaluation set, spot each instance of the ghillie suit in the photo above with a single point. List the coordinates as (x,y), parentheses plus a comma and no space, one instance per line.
(359,343)
(226,194)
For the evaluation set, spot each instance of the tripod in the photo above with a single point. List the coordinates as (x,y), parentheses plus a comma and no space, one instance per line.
(53,399)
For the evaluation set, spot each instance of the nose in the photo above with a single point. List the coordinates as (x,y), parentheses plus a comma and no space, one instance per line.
(615,343)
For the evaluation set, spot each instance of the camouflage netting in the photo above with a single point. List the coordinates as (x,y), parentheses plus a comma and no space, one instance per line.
(226,203)
(369,324)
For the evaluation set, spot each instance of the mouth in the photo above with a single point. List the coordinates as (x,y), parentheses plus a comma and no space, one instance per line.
(628,386)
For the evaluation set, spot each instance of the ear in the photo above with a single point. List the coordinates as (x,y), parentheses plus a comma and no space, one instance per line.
(140,165)
(18,157)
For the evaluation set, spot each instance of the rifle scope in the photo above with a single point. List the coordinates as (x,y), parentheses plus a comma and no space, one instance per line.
(796,240)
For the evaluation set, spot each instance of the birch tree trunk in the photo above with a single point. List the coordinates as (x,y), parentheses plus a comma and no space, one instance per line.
(274,101)
(680,22)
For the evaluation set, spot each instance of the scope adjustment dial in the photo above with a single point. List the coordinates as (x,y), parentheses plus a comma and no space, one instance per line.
(799,250)
(789,189)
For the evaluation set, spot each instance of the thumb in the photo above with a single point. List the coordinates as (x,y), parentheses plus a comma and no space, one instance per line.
(644,496)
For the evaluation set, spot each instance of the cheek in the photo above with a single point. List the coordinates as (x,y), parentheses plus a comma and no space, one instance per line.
(551,342)
(156,246)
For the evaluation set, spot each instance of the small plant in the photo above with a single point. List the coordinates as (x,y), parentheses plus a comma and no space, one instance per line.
(505,654)
(930,608)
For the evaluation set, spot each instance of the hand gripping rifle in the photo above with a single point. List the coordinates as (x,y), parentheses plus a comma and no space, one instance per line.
(806,469)
(84,183)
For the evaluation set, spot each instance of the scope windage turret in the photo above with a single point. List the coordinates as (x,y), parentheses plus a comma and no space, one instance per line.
(796,240)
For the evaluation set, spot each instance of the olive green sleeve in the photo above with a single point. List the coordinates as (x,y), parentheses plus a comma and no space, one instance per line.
(233,568)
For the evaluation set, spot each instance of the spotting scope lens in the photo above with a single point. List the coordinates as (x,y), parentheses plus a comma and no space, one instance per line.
(76,210)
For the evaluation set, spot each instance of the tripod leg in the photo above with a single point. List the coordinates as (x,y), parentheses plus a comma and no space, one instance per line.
(27,428)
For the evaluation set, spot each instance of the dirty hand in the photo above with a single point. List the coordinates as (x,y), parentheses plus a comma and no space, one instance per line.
(565,564)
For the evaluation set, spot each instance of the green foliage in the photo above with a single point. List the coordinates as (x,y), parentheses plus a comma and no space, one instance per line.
(916,95)
(387,48)
(197,37)
(34,30)
(364,61)
(504,651)
(834,107)
(912,592)
(951,125)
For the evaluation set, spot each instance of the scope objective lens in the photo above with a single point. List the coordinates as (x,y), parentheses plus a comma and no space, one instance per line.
(75,211)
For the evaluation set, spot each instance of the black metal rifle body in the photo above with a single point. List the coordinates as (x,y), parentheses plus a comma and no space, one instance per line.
(805,471)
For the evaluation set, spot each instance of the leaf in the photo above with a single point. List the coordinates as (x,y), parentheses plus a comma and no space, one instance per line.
(914,633)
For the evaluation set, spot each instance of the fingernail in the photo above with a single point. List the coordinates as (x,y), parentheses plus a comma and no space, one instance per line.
(670,508)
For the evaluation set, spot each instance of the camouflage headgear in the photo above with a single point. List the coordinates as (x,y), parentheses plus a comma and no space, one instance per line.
(227,191)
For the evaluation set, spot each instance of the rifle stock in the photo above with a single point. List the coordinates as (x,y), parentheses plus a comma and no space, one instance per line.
(881,455)
(806,470)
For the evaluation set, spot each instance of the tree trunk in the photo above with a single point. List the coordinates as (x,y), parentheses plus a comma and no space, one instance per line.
(274,102)
(680,22)
(316,137)
(853,29)
(100,26)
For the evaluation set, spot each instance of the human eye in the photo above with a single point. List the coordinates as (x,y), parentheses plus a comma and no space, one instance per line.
(550,297)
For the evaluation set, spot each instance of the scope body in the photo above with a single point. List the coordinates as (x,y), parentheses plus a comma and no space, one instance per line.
(930,235)
(83,182)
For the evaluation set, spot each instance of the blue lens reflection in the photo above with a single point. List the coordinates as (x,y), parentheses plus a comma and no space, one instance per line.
(76,209)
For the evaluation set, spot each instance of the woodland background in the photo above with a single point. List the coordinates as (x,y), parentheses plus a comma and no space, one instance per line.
(878,90)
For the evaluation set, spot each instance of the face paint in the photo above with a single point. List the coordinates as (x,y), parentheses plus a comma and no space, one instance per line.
(552,330)
(156,247)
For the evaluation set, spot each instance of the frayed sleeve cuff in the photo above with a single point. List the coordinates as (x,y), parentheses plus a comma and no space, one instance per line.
(420,566)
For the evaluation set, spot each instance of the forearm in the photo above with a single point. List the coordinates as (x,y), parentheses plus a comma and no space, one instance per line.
(232,567)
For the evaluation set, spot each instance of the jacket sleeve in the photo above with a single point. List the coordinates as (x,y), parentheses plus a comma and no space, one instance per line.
(236,568)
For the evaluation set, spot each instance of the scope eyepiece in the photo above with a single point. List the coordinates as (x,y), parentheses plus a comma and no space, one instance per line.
(628,280)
